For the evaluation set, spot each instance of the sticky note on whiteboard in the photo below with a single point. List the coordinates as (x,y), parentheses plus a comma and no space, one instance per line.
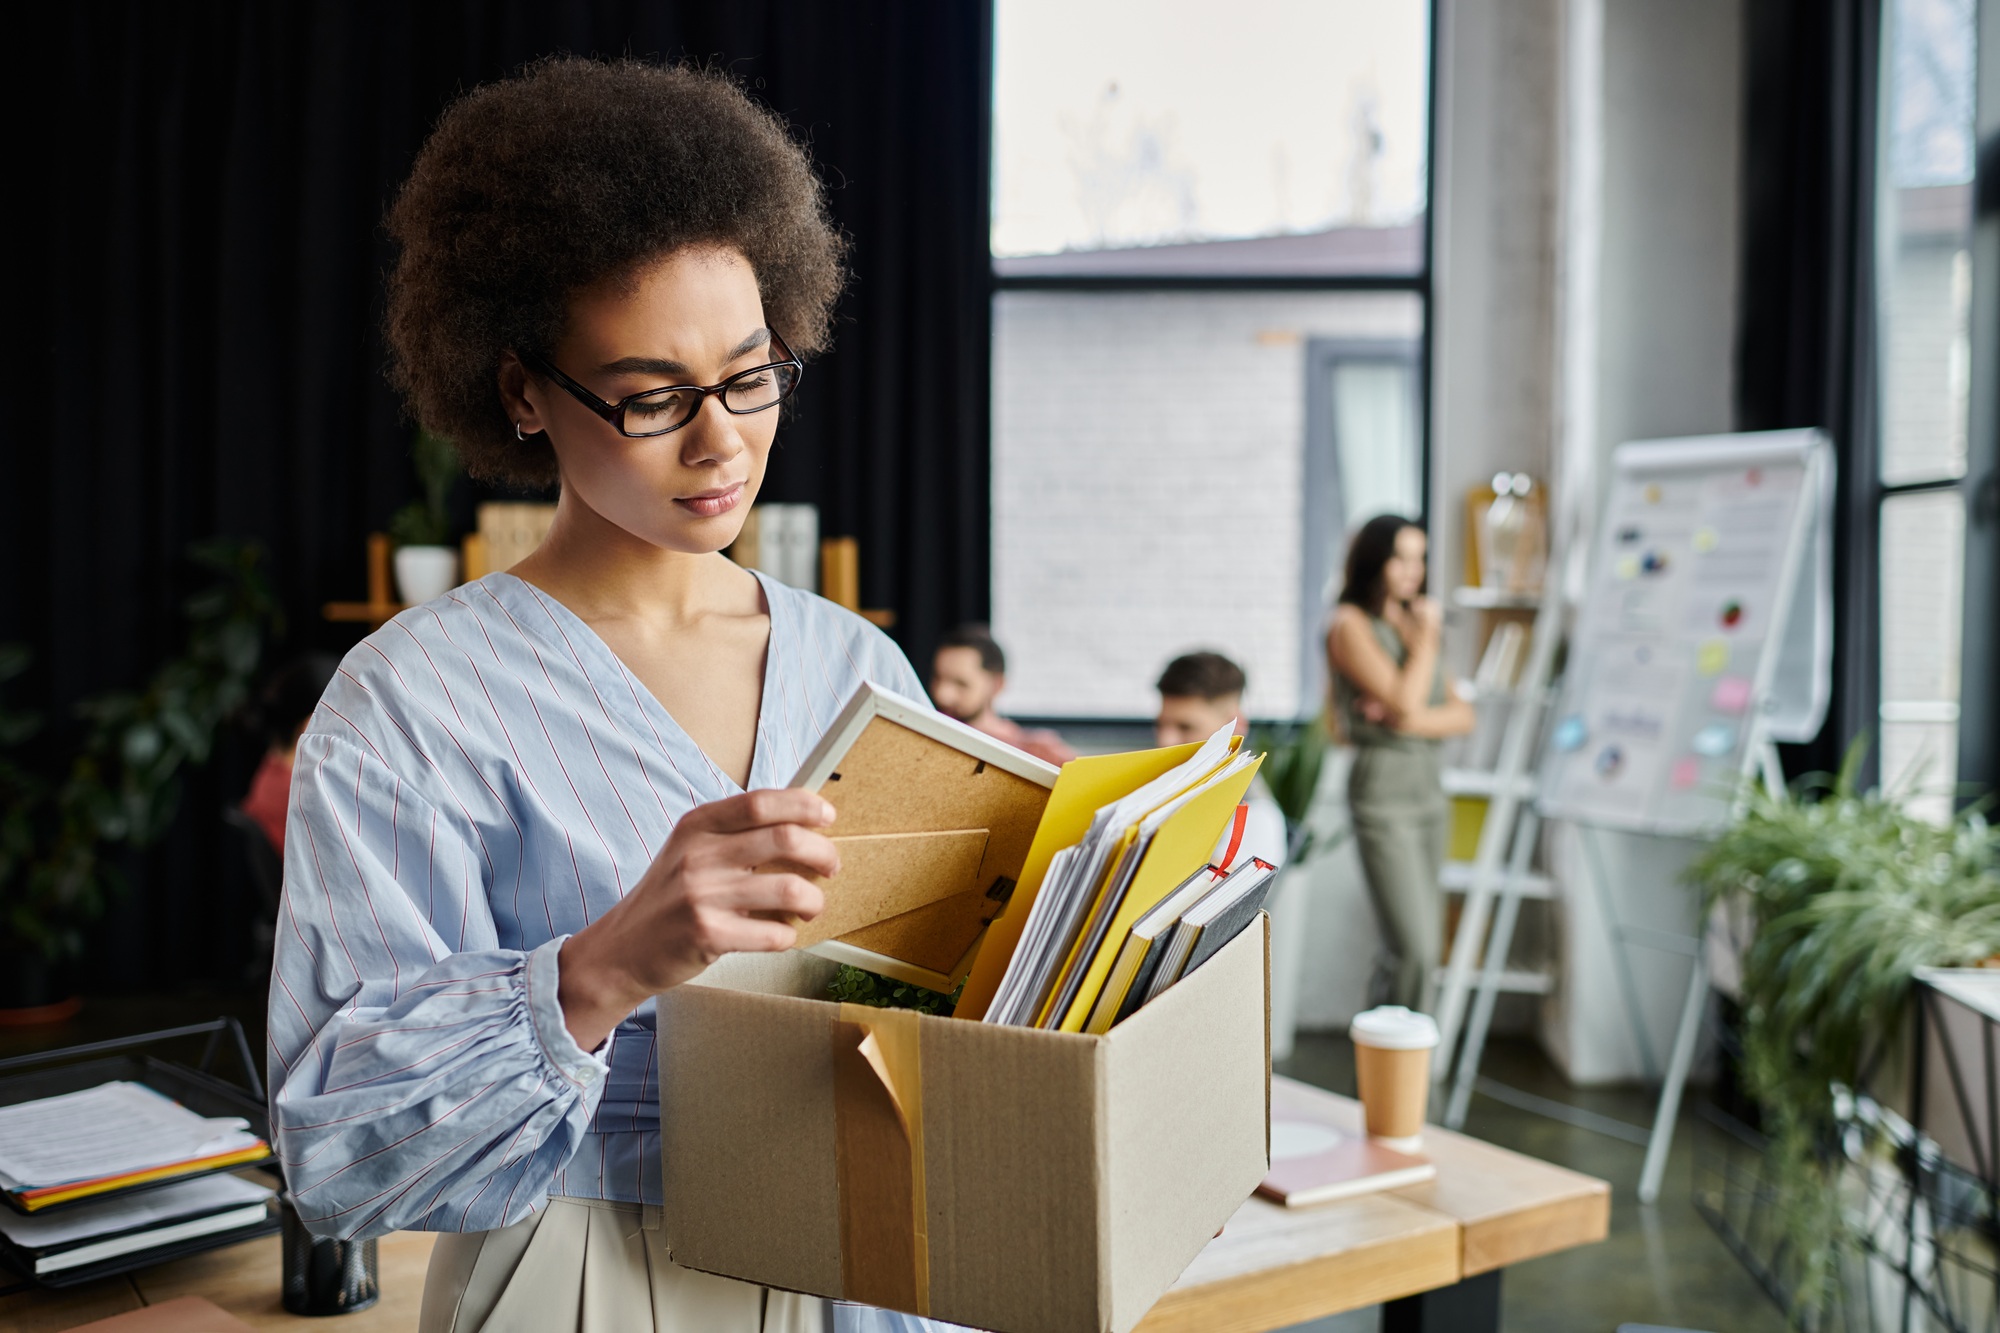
(1732,695)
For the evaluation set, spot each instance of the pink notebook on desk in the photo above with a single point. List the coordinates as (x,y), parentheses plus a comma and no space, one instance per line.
(1314,1160)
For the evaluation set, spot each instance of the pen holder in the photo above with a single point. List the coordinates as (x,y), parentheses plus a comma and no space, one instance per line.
(324,1277)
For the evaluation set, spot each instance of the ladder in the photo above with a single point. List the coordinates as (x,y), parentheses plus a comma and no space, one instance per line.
(1498,878)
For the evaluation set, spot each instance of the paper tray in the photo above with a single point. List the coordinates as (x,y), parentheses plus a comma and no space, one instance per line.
(28,1078)
(126,1263)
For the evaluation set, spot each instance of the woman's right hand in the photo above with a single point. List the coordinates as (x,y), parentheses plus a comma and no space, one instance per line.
(702,897)
(1418,618)
(1426,620)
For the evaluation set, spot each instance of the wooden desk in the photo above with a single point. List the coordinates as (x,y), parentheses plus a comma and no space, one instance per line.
(242,1279)
(1432,1252)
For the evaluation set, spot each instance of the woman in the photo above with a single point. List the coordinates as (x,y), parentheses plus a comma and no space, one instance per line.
(524,809)
(1391,697)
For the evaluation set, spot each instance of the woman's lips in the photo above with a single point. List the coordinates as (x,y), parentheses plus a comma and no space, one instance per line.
(710,503)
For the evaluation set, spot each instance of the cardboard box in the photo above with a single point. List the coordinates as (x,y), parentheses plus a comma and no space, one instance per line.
(1002,1177)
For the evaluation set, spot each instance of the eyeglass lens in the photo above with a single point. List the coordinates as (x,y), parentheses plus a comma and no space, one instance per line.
(668,409)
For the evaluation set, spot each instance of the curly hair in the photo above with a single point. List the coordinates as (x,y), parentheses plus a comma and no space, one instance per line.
(571,173)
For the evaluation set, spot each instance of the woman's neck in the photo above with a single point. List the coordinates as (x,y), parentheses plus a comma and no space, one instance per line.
(600,571)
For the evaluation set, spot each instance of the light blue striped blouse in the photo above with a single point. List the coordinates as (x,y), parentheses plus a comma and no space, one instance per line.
(482,779)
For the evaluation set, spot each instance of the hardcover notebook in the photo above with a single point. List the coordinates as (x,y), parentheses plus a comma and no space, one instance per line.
(1314,1160)
(1212,922)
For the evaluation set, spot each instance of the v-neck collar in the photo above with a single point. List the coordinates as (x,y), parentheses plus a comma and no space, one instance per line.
(640,704)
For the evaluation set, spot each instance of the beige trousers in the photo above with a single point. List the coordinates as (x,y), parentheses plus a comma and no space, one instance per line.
(593,1266)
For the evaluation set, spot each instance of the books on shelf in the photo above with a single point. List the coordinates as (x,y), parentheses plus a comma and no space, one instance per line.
(1314,1160)
(1493,683)
(115,1136)
(130,1224)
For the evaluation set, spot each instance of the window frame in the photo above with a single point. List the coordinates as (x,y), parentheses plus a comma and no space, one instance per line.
(1978,487)
(1418,284)
(1979,708)
(1322,476)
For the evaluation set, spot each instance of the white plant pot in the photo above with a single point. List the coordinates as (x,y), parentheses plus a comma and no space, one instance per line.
(425,573)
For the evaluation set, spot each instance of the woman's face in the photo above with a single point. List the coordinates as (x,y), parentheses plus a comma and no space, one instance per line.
(1403,575)
(694,317)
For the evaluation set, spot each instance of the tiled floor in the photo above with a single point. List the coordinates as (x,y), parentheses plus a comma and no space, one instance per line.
(1662,1263)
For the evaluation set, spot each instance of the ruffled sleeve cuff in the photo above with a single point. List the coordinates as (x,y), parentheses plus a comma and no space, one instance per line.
(584,1068)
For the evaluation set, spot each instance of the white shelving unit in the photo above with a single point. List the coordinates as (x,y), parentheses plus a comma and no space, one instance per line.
(1500,877)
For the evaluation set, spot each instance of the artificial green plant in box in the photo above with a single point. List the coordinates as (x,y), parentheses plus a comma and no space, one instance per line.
(1848,894)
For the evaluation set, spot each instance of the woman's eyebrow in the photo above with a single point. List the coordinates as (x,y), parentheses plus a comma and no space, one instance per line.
(654,365)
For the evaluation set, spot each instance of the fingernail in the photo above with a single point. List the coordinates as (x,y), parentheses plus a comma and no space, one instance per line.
(826,812)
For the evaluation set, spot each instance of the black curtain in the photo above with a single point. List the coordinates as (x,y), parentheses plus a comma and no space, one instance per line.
(1806,348)
(197,320)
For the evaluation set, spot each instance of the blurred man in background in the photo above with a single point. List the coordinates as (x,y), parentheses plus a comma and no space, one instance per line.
(1201,692)
(968,671)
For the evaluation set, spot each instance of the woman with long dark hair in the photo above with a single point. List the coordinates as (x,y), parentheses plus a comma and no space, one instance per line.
(1392,700)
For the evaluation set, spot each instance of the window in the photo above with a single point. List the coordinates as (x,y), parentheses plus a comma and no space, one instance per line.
(1924,224)
(1209,332)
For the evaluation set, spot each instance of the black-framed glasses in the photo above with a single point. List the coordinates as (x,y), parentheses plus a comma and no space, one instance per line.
(663,411)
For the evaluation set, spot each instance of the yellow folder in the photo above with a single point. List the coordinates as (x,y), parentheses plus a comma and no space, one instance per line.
(1114,868)
(1180,847)
(1084,785)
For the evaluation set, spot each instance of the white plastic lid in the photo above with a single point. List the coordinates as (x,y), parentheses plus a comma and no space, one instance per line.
(1391,1027)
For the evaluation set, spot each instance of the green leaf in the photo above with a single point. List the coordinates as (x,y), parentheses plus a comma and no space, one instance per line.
(1849,894)
(121,782)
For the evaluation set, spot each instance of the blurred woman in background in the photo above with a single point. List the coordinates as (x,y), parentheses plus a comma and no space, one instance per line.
(1390,695)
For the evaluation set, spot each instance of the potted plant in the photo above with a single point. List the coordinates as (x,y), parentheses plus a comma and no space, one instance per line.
(1292,764)
(64,824)
(1847,894)
(426,565)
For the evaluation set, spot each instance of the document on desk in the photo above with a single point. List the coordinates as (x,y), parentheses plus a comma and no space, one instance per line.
(107,1130)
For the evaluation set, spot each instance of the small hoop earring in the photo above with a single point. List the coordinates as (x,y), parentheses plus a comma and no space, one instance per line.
(517,432)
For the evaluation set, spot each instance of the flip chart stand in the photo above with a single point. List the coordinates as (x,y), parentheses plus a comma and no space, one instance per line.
(1783,698)
(1762,758)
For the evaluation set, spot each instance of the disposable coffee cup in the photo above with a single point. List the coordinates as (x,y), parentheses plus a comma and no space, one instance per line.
(1392,1063)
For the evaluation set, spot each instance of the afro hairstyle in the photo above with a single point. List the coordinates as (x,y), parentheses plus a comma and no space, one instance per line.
(572,173)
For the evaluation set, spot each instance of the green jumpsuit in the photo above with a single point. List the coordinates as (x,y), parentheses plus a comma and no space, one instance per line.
(1395,795)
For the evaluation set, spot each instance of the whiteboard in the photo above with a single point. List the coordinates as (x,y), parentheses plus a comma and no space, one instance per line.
(1706,629)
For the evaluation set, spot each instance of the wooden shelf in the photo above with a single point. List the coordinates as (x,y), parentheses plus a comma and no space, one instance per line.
(1484,782)
(1494,599)
(365,613)
(1456,877)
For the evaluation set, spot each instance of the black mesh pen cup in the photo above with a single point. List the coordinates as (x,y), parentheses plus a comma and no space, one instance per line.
(326,1276)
